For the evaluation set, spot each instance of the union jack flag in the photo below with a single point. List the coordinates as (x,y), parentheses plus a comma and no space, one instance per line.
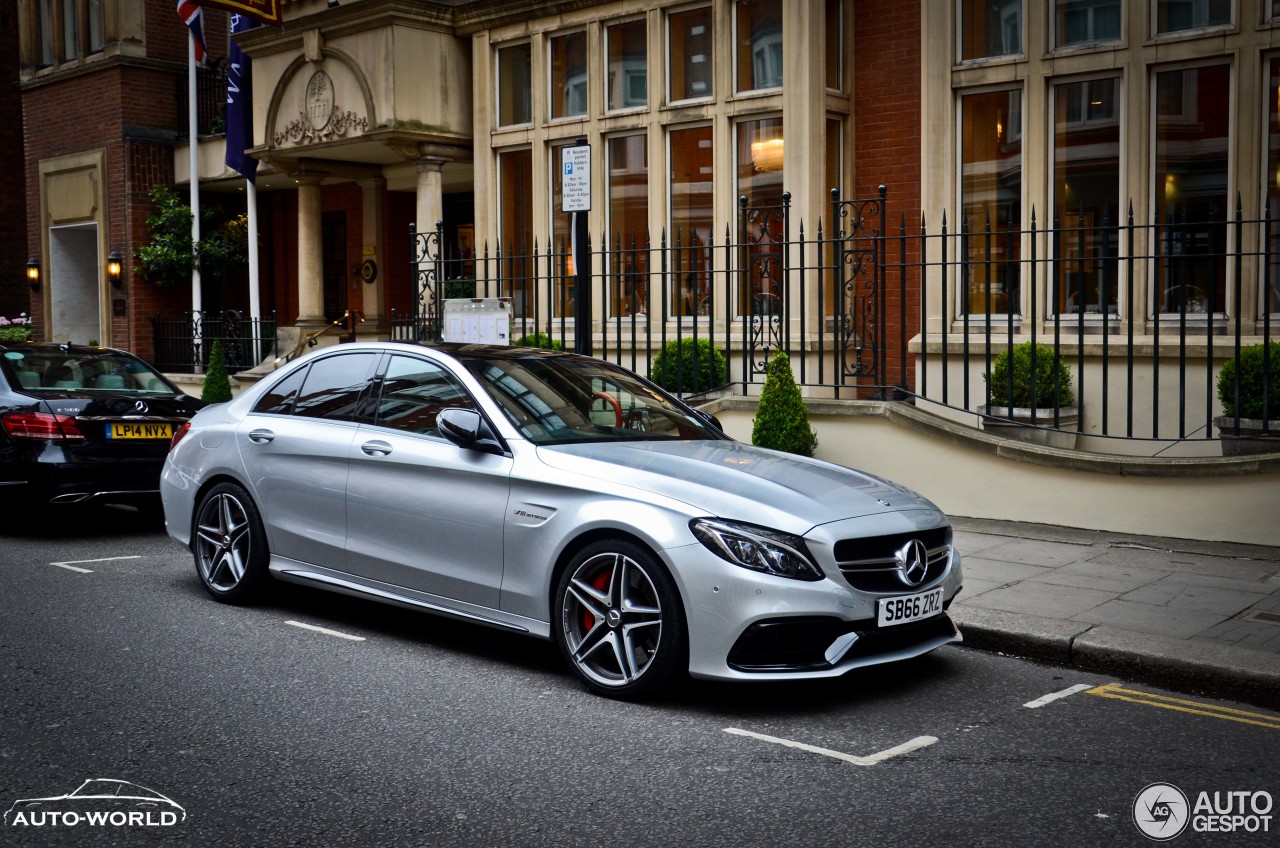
(193,16)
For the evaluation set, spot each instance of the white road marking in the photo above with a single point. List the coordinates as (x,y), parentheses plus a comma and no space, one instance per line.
(70,565)
(905,748)
(326,631)
(1049,699)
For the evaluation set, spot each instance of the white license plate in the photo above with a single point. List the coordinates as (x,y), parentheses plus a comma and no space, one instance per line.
(907,608)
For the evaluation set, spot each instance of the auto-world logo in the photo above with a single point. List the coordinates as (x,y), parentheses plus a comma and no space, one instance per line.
(1162,811)
(98,803)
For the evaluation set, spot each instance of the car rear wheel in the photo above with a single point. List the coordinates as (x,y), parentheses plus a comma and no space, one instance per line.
(619,622)
(230,545)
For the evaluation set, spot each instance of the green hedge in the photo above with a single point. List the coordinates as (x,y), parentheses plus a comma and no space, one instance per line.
(1251,370)
(684,365)
(1053,379)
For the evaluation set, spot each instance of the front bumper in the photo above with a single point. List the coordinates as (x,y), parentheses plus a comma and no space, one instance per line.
(746,625)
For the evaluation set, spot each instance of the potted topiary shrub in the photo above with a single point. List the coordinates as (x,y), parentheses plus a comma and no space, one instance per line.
(1253,379)
(1027,384)
(689,367)
(782,421)
(217,385)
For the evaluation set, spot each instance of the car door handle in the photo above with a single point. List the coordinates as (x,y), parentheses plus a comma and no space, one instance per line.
(261,437)
(376,448)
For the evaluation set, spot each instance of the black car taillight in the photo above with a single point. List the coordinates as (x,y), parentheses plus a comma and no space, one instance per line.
(43,426)
(177,436)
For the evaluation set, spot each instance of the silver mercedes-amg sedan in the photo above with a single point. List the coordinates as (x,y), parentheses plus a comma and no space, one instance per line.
(562,497)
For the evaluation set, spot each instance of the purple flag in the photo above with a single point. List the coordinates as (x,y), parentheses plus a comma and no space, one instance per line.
(240,103)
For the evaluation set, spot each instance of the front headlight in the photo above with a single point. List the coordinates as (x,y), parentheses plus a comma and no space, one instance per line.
(757,548)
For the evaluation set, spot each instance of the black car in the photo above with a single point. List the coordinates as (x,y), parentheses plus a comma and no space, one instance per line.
(84,424)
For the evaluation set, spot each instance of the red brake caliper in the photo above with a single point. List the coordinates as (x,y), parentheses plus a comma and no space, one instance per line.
(601,584)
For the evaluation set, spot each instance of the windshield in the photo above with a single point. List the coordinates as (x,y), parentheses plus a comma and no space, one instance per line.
(53,371)
(560,400)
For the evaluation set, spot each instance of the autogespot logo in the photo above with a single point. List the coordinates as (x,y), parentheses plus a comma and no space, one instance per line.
(1160,811)
(98,803)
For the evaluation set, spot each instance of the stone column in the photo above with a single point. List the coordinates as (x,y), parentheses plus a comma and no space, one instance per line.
(310,254)
(430,194)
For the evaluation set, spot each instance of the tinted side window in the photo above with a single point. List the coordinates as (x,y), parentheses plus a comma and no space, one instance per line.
(414,392)
(280,397)
(333,386)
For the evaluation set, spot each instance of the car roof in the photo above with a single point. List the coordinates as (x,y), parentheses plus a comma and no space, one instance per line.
(63,347)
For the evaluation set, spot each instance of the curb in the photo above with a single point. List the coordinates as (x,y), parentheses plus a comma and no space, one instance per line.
(1195,667)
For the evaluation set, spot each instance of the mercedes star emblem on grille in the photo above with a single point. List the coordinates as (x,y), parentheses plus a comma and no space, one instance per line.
(140,406)
(913,562)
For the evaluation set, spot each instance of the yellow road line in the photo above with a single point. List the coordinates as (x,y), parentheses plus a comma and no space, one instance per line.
(1119,693)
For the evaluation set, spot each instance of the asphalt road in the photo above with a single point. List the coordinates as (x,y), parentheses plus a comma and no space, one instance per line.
(430,732)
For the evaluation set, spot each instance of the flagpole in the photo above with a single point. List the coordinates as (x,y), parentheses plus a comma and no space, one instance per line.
(194,175)
(251,201)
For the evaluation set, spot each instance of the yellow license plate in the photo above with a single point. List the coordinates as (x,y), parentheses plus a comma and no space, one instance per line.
(140,430)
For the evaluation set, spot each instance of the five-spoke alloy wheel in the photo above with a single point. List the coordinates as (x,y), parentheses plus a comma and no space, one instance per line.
(619,622)
(230,544)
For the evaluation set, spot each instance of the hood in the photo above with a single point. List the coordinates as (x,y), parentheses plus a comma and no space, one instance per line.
(738,482)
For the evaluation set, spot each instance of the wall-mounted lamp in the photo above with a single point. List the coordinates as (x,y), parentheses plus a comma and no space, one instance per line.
(113,268)
(33,273)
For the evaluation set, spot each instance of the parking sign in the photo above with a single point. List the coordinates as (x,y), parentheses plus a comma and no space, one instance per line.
(575,179)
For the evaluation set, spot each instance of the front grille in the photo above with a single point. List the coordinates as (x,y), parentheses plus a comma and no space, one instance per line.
(869,565)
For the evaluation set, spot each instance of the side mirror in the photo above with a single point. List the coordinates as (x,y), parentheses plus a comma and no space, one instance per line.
(468,430)
(710,419)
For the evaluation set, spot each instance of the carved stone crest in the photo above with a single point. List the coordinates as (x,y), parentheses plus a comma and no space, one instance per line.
(319,100)
(321,119)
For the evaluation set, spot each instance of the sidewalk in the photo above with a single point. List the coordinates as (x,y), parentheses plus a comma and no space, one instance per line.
(1199,617)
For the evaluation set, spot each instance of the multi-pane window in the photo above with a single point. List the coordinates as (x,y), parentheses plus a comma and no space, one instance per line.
(628,77)
(515,225)
(568,74)
(45,33)
(1085,22)
(1181,15)
(691,192)
(68,30)
(514,88)
(759,159)
(689,50)
(990,28)
(758,44)
(833,172)
(1086,194)
(833,44)
(628,167)
(1192,133)
(561,247)
(1271,178)
(991,199)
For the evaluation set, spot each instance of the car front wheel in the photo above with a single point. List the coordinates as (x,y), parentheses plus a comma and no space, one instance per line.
(230,545)
(619,621)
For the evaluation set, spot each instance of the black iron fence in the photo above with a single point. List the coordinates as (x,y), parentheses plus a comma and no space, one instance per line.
(181,345)
(764,285)
(1144,313)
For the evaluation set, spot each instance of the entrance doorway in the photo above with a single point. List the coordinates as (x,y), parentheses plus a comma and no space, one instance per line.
(337,276)
(74,276)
